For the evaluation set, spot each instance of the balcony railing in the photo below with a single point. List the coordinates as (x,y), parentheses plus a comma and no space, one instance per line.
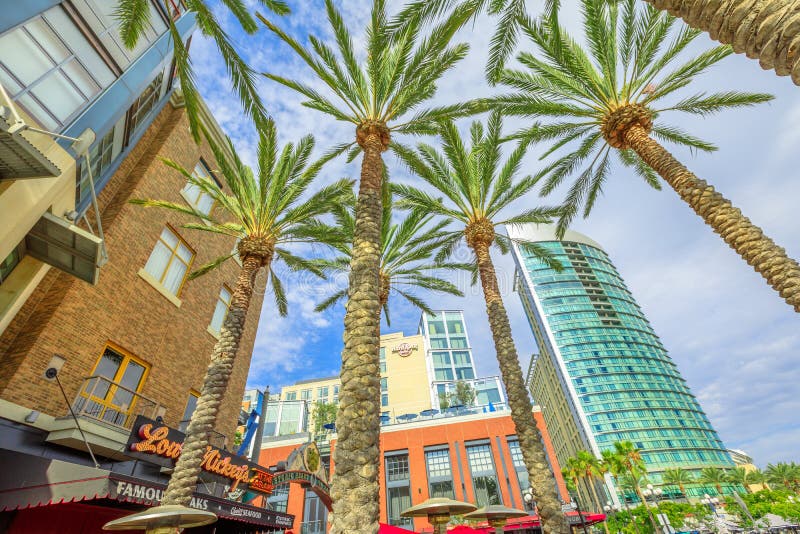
(313,527)
(110,402)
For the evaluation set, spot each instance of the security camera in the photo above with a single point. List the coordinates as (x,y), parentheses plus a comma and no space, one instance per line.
(53,368)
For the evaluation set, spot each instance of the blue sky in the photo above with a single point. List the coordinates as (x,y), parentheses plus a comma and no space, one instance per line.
(736,342)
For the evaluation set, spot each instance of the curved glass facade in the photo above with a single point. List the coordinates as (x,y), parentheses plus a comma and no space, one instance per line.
(622,378)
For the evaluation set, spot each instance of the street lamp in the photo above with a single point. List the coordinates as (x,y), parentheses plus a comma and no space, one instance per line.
(527,496)
(711,502)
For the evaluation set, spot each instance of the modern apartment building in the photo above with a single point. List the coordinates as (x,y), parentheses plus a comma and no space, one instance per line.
(602,374)
(448,358)
(64,70)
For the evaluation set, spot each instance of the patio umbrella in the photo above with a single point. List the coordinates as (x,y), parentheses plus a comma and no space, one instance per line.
(438,511)
(390,529)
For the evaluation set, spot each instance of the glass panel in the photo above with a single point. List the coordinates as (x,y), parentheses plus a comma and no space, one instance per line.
(290,419)
(184,253)
(398,500)
(219,315)
(397,468)
(169,238)
(61,97)
(462,357)
(21,56)
(8,264)
(107,367)
(458,342)
(158,261)
(439,343)
(435,327)
(442,489)
(444,374)
(455,326)
(486,490)
(131,379)
(174,277)
(441,359)
(464,373)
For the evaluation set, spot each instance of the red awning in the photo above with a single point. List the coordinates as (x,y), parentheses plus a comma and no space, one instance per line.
(389,529)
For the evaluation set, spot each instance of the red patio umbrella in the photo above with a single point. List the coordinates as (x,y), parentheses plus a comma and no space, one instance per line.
(389,529)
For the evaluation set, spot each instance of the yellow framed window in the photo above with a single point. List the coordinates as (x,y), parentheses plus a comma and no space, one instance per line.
(196,197)
(170,261)
(112,390)
(221,309)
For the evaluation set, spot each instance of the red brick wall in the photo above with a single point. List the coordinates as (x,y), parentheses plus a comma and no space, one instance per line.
(76,320)
(415,439)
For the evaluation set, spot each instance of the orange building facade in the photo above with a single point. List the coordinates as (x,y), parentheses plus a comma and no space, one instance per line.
(473,457)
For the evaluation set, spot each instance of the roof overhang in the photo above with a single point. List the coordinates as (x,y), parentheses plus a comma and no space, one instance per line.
(65,246)
(19,158)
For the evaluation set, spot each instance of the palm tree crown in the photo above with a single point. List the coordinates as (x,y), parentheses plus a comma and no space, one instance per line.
(626,74)
(407,250)
(678,477)
(133,16)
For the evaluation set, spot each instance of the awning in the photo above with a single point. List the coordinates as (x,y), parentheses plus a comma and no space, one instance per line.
(65,246)
(522,523)
(48,482)
(18,157)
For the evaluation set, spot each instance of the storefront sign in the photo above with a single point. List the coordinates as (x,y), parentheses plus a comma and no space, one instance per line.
(132,490)
(405,349)
(303,477)
(162,445)
(261,481)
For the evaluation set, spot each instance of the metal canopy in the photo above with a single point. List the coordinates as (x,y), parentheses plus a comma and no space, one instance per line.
(18,157)
(65,246)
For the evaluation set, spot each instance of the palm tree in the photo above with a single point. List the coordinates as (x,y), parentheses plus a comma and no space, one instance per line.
(590,470)
(613,464)
(740,475)
(785,474)
(477,186)
(407,251)
(134,15)
(631,461)
(678,477)
(764,30)
(377,96)
(609,99)
(264,212)
(714,475)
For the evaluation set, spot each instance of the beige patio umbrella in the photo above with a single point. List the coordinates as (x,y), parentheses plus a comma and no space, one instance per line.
(438,511)
(496,515)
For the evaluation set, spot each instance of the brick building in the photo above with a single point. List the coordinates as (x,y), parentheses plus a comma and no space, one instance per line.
(136,343)
(471,456)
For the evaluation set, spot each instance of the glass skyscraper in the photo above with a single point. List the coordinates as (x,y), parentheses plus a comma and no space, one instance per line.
(602,374)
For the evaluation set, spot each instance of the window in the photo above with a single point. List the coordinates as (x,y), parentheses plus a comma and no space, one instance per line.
(322,393)
(291,395)
(383,360)
(143,105)
(305,394)
(458,342)
(440,476)
(110,395)
(398,490)
(335,394)
(291,418)
(11,261)
(221,309)
(278,500)
(196,197)
(100,156)
(170,261)
(384,392)
(484,479)
(519,464)
(50,68)
(191,405)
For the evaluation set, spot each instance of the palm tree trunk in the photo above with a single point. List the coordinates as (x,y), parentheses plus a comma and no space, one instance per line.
(767,30)
(183,481)
(646,507)
(539,471)
(355,489)
(767,258)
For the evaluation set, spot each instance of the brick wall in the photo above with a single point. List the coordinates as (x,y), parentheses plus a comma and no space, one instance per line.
(76,320)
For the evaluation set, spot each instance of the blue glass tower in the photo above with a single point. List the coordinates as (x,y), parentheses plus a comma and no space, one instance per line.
(602,373)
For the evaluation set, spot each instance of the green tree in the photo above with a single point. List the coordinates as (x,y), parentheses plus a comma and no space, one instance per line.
(382,95)
(714,475)
(740,475)
(464,393)
(631,461)
(678,477)
(609,98)
(323,413)
(784,474)
(477,186)
(264,212)
(134,16)
(407,251)
(765,37)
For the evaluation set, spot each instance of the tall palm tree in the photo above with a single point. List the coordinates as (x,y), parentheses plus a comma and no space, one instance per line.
(631,461)
(590,467)
(381,95)
(784,474)
(740,475)
(265,212)
(407,251)
(613,464)
(477,186)
(714,475)
(134,15)
(767,30)
(608,99)
(678,477)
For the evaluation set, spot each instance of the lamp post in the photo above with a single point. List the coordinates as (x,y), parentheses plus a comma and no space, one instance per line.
(438,511)
(711,502)
(530,503)
(496,515)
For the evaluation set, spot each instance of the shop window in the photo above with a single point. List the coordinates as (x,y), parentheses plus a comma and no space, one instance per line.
(50,68)
(398,489)
(194,195)
(110,393)
(484,477)
(170,261)
(440,475)
(221,309)
(191,405)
